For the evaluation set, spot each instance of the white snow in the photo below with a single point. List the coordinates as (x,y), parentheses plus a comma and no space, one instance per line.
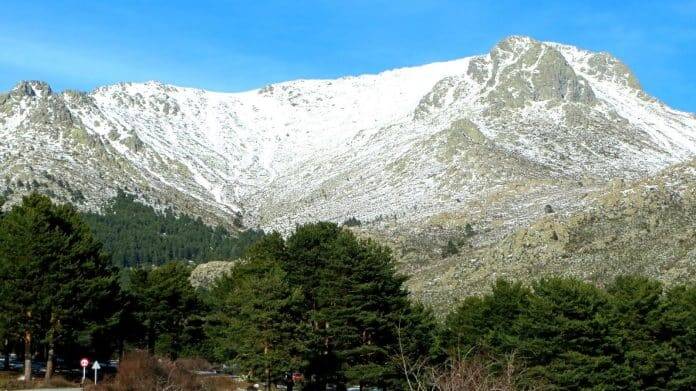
(331,149)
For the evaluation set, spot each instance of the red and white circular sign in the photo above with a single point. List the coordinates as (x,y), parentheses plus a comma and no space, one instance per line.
(84,363)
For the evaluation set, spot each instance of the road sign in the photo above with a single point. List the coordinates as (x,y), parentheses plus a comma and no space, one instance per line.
(84,363)
(96,367)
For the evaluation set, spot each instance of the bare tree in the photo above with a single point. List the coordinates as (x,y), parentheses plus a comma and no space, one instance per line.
(460,373)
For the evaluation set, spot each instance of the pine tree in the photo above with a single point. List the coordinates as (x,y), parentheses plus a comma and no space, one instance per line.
(254,320)
(168,309)
(469,230)
(337,302)
(50,262)
(677,326)
(136,235)
(573,335)
(354,303)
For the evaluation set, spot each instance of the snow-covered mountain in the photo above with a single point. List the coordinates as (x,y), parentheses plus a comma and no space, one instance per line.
(530,122)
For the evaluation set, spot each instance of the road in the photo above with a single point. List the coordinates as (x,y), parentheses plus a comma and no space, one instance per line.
(56,389)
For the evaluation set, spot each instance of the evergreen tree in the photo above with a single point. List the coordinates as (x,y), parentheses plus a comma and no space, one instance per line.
(354,301)
(482,324)
(419,345)
(677,329)
(469,230)
(254,324)
(338,304)
(572,335)
(352,222)
(564,336)
(168,310)
(635,315)
(65,292)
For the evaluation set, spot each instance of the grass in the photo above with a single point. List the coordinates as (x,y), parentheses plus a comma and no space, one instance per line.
(9,381)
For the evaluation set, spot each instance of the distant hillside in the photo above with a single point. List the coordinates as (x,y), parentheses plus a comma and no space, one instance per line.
(136,234)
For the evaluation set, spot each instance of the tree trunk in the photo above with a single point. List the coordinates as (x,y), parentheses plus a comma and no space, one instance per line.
(151,342)
(27,356)
(268,369)
(121,349)
(7,355)
(49,361)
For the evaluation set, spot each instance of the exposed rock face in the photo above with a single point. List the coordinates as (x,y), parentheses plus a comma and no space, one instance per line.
(31,89)
(606,67)
(524,70)
(206,274)
(645,227)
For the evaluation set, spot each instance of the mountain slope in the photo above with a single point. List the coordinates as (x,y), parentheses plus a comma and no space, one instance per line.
(646,227)
(407,145)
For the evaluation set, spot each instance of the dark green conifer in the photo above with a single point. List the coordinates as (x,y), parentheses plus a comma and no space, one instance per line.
(65,293)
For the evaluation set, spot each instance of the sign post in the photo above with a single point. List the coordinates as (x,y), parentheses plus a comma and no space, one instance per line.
(84,363)
(96,367)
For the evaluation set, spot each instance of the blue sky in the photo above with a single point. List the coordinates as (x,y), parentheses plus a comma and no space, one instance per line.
(237,45)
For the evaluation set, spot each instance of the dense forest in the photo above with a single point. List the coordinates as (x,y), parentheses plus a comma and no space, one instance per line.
(135,234)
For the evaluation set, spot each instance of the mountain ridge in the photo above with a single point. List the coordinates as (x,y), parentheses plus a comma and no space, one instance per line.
(411,143)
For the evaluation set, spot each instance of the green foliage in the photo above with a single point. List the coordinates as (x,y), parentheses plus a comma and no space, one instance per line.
(352,222)
(340,306)
(135,235)
(168,315)
(450,249)
(64,291)
(255,325)
(418,336)
(573,335)
(482,322)
(678,324)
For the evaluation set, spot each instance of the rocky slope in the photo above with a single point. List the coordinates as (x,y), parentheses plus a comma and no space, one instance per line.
(413,153)
(645,227)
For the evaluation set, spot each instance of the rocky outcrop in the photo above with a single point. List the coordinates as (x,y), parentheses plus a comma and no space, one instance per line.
(206,274)
(524,70)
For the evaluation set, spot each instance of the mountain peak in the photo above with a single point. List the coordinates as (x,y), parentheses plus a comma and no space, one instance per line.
(516,43)
(32,88)
(524,70)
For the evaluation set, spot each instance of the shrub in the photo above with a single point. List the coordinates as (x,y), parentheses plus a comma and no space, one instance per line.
(352,222)
(450,249)
(10,381)
(474,375)
(193,364)
(139,371)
